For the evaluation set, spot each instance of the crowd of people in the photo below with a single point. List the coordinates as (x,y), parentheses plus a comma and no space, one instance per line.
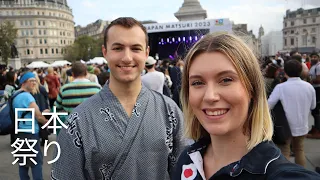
(204,117)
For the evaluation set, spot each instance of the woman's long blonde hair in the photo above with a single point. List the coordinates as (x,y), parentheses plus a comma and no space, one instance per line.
(258,126)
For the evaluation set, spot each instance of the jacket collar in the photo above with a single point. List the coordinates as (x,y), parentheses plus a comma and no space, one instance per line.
(255,162)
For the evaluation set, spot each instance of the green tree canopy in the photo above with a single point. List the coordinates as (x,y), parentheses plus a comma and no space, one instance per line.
(8,33)
(85,48)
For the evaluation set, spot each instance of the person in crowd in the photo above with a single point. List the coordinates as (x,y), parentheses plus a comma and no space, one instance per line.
(25,100)
(153,79)
(74,93)
(175,75)
(125,131)
(53,85)
(90,74)
(10,88)
(298,98)
(103,78)
(226,113)
(41,97)
(315,81)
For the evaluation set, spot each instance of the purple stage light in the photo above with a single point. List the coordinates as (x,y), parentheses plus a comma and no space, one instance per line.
(167,39)
(183,38)
(161,39)
(190,38)
(179,39)
(196,38)
(173,40)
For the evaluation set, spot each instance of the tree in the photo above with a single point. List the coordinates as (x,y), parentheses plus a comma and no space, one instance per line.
(85,48)
(7,36)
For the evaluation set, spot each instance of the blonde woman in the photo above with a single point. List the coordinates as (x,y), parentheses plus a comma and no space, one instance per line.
(226,113)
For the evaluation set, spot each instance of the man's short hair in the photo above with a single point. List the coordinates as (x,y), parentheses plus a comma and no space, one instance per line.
(297,57)
(314,54)
(293,52)
(78,69)
(293,68)
(126,22)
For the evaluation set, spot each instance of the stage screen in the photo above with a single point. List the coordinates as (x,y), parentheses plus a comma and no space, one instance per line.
(174,43)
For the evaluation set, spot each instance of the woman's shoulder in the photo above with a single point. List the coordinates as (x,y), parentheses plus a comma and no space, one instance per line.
(282,169)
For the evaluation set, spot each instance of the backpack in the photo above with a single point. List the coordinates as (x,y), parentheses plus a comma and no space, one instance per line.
(7,121)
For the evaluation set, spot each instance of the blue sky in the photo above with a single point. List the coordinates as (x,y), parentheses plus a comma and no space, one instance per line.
(268,13)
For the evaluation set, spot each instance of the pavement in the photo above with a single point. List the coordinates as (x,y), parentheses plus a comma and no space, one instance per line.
(10,172)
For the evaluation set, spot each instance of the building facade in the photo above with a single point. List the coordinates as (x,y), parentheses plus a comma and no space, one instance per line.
(45,28)
(301,30)
(241,30)
(272,43)
(94,29)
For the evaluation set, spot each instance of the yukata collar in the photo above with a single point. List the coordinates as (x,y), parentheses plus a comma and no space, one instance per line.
(255,162)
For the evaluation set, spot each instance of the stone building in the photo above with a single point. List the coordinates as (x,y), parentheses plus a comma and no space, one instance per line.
(45,27)
(301,30)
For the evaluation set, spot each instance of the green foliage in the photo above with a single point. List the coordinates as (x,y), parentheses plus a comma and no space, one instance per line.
(8,33)
(85,48)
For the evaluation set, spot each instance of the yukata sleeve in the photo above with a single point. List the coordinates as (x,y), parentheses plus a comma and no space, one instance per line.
(179,141)
(71,163)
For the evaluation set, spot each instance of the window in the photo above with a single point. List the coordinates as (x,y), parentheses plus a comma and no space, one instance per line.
(26,23)
(314,39)
(304,40)
(41,51)
(49,13)
(22,32)
(42,13)
(45,41)
(46,51)
(38,13)
(313,30)
(27,32)
(27,41)
(28,51)
(31,32)
(57,51)
(30,23)
(304,21)
(21,23)
(292,31)
(60,41)
(60,33)
(52,51)
(64,41)
(39,23)
(292,23)
(292,41)
(285,42)
(39,31)
(314,20)
(43,23)
(44,32)
(40,41)
(285,33)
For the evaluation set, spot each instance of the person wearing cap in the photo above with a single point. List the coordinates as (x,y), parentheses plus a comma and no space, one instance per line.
(153,79)
(314,74)
(28,83)
(90,74)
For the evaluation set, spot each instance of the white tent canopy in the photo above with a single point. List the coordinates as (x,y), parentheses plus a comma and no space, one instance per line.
(60,63)
(38,64)
(97,60)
